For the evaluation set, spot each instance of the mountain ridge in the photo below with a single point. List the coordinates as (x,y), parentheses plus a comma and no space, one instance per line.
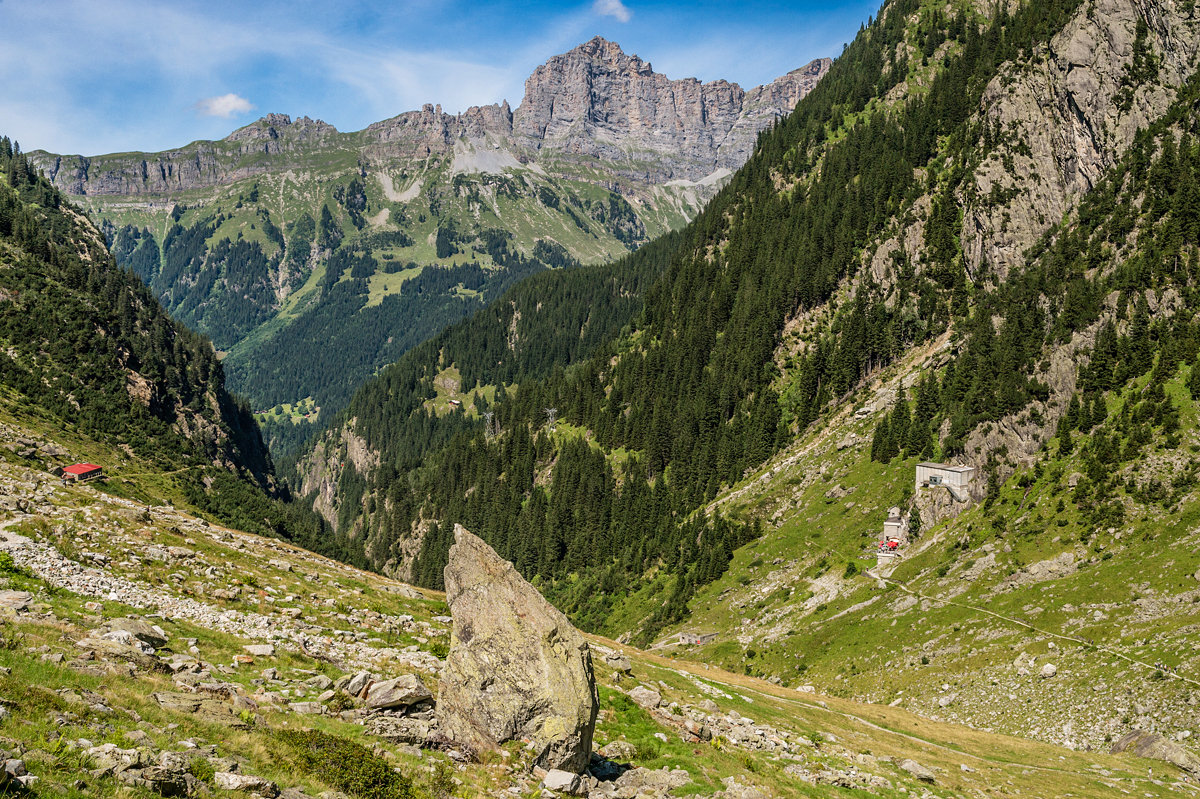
(690,104)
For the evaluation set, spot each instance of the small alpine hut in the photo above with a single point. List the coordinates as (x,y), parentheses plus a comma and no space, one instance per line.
(957,479)
(82,473)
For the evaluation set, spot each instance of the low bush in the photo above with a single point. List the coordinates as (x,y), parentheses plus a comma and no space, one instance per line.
(346,765)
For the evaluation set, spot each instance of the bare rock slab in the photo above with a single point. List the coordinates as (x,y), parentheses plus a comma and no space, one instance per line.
(1154,746)
(399,692)
(517,669)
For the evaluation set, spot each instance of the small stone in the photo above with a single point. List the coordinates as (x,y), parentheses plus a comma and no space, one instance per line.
(562,782)
(621,751)
(260,650)
(245,783)
(1048,671)
(645,697)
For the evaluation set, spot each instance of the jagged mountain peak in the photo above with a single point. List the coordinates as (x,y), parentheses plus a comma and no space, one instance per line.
(600,49)
(273,126)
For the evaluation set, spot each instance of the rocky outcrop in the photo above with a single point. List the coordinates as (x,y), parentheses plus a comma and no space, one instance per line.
(598,101)
(517,669)
(1156,747)
(1066,118)
(322,468)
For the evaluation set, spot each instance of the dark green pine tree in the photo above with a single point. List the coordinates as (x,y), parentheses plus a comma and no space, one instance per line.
(901,421)
(882,432)
(1065,444)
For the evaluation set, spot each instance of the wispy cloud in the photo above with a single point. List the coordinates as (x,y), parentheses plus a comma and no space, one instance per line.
(612,8)
(225,106)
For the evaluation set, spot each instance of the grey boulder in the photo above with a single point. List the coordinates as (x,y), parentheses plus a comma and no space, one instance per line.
(400,692)
(1154,746)
(516,669)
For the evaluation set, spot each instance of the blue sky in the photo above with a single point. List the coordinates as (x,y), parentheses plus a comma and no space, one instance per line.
(99,76)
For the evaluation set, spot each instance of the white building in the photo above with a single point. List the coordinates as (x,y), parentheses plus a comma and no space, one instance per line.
(955,478)
(894,527)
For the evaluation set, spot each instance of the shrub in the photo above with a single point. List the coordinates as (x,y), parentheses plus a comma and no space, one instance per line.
(9,566)
(441,781)
(346,765)
(201,769)
(648,749)
(851,570)
(340,701)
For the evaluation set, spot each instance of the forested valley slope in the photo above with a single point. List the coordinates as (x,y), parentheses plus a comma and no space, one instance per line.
(975,242)
(313,257)
(88,355)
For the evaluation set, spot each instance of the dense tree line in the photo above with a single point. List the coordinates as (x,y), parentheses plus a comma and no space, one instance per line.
(86,340)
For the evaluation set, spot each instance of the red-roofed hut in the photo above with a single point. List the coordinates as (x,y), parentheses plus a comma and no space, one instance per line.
(82,472)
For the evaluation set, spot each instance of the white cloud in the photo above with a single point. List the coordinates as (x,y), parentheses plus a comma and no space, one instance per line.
(612,8)
(224,106)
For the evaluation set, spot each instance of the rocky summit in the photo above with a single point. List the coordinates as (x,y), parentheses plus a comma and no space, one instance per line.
(517,669)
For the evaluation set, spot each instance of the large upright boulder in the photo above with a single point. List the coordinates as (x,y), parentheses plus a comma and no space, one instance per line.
(517,669)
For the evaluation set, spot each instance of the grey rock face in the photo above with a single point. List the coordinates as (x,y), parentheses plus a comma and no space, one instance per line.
(516,668)
(401,692)
(594,101)
(1067,114)
(598,101)
(1156,747)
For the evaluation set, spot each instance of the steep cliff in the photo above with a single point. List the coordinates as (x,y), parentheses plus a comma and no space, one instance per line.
(594,101)
(598,102)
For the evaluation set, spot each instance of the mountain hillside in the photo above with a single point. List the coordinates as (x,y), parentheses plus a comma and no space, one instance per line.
(215,662)
(86,344)
(313,257)
(973,242)
(97,370)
